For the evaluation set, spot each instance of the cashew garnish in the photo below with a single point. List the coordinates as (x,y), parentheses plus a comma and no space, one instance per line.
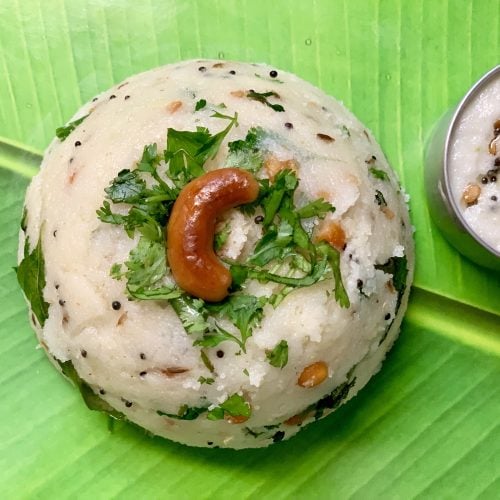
(191,228)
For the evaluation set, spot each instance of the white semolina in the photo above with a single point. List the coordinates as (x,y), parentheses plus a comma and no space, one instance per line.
(135,356)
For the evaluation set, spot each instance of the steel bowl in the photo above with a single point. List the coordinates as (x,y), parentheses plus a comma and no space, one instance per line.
(442,204)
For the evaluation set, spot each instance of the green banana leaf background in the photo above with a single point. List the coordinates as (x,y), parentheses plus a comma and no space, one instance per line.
(428,425)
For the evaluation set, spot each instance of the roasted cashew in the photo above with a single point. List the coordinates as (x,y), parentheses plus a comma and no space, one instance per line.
(191,228)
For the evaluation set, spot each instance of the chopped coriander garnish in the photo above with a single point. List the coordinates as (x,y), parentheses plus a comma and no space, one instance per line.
(244,311)
(91,399)
(63,132)
(145,267)
(187,152)
(206,380)
(126,187)
(379,198)
(398,267)
(31,278)
(285,241)
(278,356)
(200,104)
(185,412)
(222,116)
(263,98)
(195,318)
(234,406)
(221,237)
(379,174)
(247,153)
(317,208)
(284,255)
(206,361)
(24,220)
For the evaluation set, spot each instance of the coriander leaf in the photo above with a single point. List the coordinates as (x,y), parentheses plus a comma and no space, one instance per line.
(149,159)
(333,257)
(244,311)
(92,400)
(234,406)
(192,314)
(278,357)
(195,318)
(239,274)
(24,220)
(316,275)
(185,412)
(222,116)
(205,380)
(116,271)
(317,208)
(379,174)
(31,278)
(211,146)
(333,400)
(159,293)
(63,132)
(285,182)
(200,104)
(262,97)
(126,187)
(300,237)
(221,237)
(182,147)
(206,361)
(379,198)
(246,153)
(146,266)
(215,336)
(106,215)
(398,267)
(216,413)
(273,245)
(187,151)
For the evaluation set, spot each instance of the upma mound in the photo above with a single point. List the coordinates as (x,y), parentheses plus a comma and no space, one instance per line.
(318,261)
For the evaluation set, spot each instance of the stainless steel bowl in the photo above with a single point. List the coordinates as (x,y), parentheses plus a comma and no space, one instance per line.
(442,204)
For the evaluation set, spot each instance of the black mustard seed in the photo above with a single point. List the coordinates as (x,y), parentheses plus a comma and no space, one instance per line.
(116,305)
